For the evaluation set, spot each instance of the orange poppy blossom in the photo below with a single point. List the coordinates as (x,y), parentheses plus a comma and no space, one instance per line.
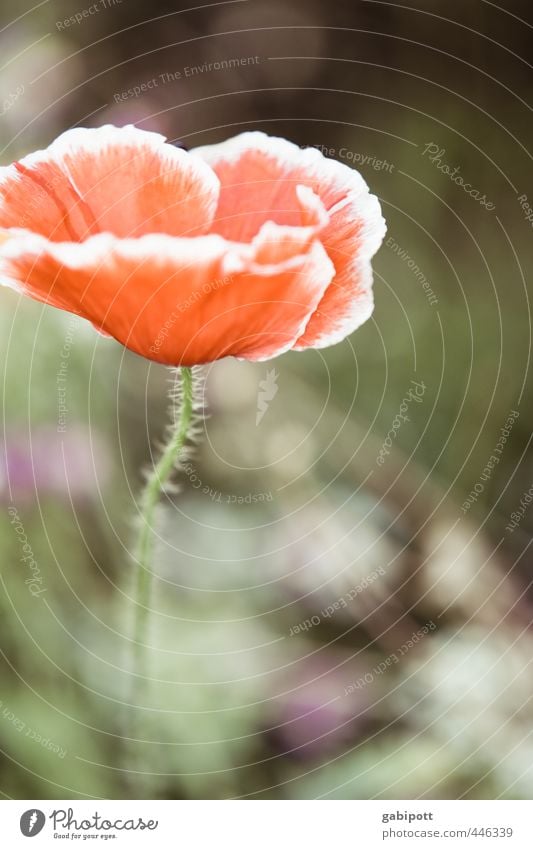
(246,248)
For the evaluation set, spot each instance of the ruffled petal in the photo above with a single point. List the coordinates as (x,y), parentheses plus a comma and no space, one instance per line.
(180,301)
(258,176)
(119,180)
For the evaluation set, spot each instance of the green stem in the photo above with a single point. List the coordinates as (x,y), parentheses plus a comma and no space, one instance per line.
(155,485)
(150,499)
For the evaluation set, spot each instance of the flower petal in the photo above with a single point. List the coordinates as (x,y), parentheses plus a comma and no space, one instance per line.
(258,176)
(175,300)
(119,180)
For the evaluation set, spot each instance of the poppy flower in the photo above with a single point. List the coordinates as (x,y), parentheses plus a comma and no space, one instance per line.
(246,248)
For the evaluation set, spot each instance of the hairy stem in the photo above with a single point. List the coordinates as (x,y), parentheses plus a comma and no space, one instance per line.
(157,480)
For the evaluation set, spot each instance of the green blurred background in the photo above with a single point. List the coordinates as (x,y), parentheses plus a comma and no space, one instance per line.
(295,513)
